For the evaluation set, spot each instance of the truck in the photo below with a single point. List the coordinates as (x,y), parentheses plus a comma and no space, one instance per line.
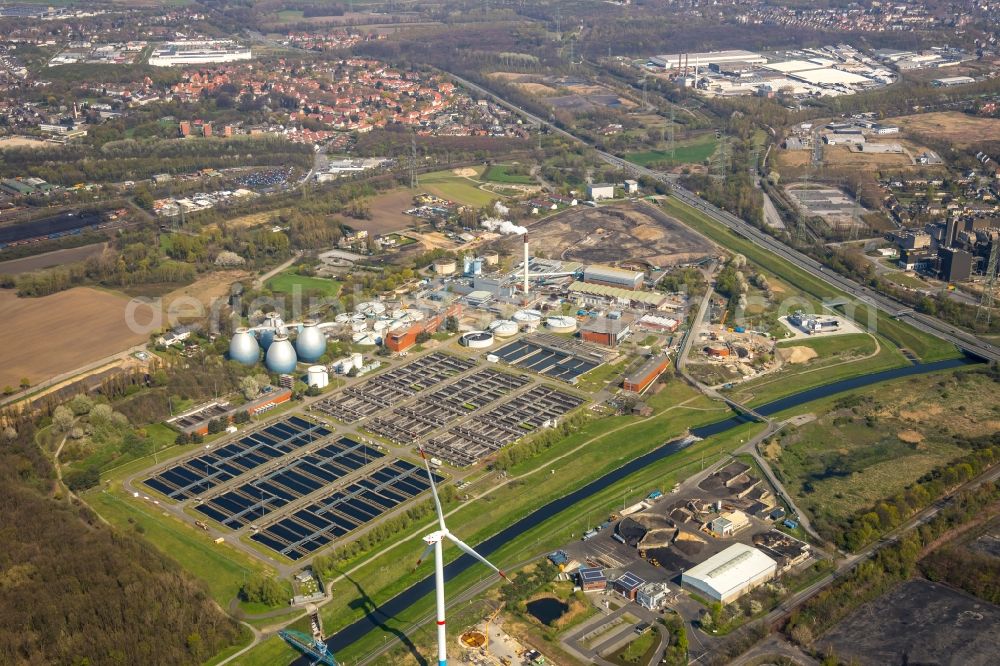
(588,535)
(655,495)
(603,526)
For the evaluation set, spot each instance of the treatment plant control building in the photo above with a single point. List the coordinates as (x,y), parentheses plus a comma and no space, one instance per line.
(613,277)
(728,575)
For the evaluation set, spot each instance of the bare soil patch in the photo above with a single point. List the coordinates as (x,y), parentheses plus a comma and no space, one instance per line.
(910,436)
(207,289)
(50,259)
(45,337)
(614,234)
(465,172)
(796,355)
(21,142)
(387,213)
(952,126)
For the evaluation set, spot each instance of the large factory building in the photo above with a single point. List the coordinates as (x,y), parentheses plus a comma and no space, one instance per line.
(403,339)
(612,277)
(639,380)
(728,575)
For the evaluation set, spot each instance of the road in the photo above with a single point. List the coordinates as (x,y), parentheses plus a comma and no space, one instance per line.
(931,325)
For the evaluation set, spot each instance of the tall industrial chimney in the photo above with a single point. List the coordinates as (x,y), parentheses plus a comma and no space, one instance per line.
(525,265)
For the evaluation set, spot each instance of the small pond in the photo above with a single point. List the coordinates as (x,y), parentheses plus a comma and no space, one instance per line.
(547,609)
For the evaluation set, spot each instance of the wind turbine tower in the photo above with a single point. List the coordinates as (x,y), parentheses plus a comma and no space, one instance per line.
(435,542)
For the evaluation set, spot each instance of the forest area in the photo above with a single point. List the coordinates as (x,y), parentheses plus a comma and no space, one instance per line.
(75,591)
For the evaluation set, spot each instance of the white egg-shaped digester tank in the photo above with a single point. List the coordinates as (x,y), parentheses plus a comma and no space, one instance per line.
(503,328)
(561,324)
(271,326)
(280,355)
(310,343)
(243,347)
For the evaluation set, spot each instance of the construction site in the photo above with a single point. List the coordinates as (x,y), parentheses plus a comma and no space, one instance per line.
(630,234)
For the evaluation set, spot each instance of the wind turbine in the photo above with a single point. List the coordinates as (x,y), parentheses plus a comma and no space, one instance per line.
(435,542)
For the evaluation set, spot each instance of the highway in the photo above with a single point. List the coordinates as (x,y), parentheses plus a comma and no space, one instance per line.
(967,342)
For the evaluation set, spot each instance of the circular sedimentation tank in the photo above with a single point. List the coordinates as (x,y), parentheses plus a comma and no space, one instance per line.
(527,317)
(243,347)
(280,355)
(310,343)
(370,308)
(561,324)
(477,339)
(359,326)
(503,328)
(342,318)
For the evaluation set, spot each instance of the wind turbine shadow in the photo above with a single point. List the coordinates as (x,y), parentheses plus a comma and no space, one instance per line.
(377,618)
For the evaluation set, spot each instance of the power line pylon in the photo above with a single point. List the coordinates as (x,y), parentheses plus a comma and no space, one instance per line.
(985,311)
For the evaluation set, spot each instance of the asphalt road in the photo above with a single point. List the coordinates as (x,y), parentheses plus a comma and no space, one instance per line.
(931,325)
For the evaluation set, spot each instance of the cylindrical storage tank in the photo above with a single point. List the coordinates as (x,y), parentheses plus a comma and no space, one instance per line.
(380,326)
(359,326)
(477,339)
(718,351)
(503,328)
(317,376)
(357,359)
(561,324)
(310,343)
(244,348)
(280,355)
(477,266)
(358,316)
(467,264)
(370,308)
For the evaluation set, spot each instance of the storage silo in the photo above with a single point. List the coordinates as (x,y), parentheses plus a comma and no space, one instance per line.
(317,376)
(243,347)
(280,355)
(310,343)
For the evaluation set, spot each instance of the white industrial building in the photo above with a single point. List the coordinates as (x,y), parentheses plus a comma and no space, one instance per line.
(728,575)
(198,52)
(600,191)
(681,60)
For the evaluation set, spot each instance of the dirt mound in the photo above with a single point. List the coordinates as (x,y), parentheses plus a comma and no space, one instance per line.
(465,172)
(658,538)
(910,436)
(798,354)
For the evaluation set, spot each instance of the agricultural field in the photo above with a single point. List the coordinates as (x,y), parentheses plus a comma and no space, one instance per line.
(387,212)
(873,443)
(48,336)
(45,260)
(693,151)
(288,282)
(952,126)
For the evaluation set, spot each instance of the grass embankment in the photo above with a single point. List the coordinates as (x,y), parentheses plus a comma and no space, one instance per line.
(220,567)
(926,347)
(838,357)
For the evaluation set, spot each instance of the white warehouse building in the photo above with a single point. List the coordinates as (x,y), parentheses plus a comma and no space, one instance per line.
(728,575)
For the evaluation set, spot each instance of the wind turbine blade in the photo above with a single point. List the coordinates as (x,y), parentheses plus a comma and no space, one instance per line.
(434,492)
(465,548)
(423,556)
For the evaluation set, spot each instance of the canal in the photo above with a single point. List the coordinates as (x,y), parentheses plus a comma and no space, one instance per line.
(376,616)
